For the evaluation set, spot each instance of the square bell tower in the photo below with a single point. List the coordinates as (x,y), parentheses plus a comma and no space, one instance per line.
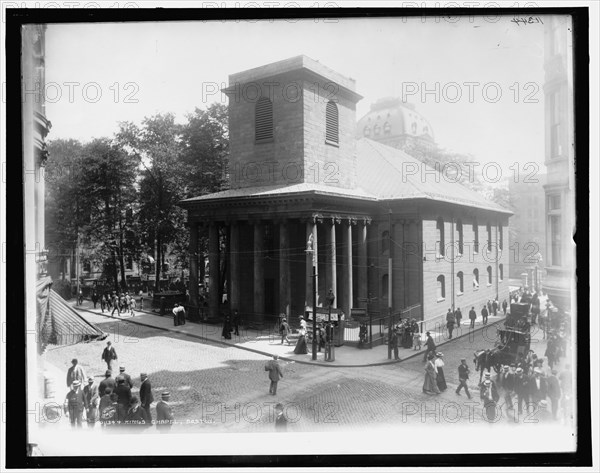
(292,122)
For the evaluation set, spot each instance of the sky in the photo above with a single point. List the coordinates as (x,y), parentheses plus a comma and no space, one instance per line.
(484,76)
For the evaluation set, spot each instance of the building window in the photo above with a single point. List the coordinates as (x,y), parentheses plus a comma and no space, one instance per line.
(489,271)
(554,202)
(387,129)
(555,240)
(459,231)
(488,228)
(475,279)
(385,242)
(332,129)
(441,287)
(367,131)
(440,243)
(263,120)
(500,236)
(501,272)
(461,282)
(475,237)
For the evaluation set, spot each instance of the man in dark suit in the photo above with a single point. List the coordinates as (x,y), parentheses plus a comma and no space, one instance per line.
(484,314)
(109,355)
(472,317)
(108,383)
(463,376)
(538,388)
(123,391)
(430,346)
(164,413)
(275,373)
(521,389)
(126,377)
(146,397)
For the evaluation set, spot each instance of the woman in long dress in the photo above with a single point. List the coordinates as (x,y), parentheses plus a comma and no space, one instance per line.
(439,368)
(407,338)
(301,344)
(430,385)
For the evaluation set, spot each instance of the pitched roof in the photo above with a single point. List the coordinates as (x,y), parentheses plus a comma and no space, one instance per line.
(390,173)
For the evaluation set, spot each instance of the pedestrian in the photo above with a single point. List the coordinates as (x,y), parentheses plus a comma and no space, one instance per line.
(94,298)
(164,413)
(236,323)
(458,317)
(146,397)
(109,355)
(406,340)
(303,323)
(301,348)
(430,347)
(472,317)
(430,384)
(415,329)
(75,373)
(284,330)
(226,333)
(521,390)
(489,306)
(484,314)
(495,306)
(136,416)
(80,297)
(115,305)
(463,376)
(394,343)
(450,321)
(490,397)
(75,404)
(504,306)
(110,412)
(554,392)
(280,418)
(91,394)
(439,371)
(104,402)
(175,314)
(538,388)
(275,373)
(508,384)
(107,383)
(126,377)
(123,391)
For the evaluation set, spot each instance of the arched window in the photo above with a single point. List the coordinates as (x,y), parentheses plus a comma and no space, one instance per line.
(440,243)
(461,282)
(475,236)
(385,242)
(488,228)
(489,271)
(475,279)
(500,236)
(459,236)
(367,131)
(500,271)
(263,120)
(441,287)
(387,129)
(332,129)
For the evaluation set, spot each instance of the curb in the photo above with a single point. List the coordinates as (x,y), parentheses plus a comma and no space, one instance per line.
(323,364)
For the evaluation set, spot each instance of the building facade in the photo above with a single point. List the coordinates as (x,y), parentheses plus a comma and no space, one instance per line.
(305,193)
(559,160)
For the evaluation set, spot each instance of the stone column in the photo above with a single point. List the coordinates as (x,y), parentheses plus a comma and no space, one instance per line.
(362,263)
(331,265)
(285,294)
(399,265)
(311,260)
(259,269)
(346,303)
(193,285)
(213,262)
(234,265)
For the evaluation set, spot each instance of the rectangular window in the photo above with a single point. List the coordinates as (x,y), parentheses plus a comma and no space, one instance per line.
(555,148)
(554,202)
(555,240)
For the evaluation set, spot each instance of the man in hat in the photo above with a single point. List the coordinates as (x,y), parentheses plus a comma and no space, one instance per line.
(115,304)
(75,373)
(280,418)
(394,342)
(104,402)
(450,321)
(108,382)
(109,355)
(472,317)
(284,331)
(125,376)
(164,413)
(75,403)
(538,388)
(458,317)
(463,376)
(489,395)
(508,384)
(521,389)
(146,397)
(484,314)
(123,391)
(91,400)
(430,346)
(275,373)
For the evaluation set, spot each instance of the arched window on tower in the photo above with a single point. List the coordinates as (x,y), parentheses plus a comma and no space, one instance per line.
(332,131)
(441,287)
(440,243)
(263,120)
(489,271)
(475,279)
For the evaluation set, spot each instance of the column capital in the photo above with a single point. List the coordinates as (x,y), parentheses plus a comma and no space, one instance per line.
(366,220)
(335,219)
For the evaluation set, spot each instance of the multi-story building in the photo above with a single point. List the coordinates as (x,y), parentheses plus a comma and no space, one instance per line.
(560,158)
(371,220)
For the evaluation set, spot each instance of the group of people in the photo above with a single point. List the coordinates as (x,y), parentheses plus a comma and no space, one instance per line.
(112,402)
(435,380)
(115,303)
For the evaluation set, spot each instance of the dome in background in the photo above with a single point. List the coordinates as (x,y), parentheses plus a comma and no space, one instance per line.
(393,122)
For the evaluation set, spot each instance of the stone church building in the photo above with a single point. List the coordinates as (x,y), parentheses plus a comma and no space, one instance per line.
(380,223)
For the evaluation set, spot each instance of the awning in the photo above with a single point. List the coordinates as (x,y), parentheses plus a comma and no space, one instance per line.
(58,322)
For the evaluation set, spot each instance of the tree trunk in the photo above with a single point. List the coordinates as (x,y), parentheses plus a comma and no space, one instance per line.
(121,257)
(157,264)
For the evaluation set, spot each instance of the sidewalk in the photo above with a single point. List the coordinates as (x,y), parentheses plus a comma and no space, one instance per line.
(269,343)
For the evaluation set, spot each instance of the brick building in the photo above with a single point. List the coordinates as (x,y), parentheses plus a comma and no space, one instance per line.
(299,174)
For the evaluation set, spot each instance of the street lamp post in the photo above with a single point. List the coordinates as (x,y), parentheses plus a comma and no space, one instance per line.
(329,346)
(310,250)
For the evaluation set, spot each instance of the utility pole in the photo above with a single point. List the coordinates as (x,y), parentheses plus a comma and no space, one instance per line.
(390,284)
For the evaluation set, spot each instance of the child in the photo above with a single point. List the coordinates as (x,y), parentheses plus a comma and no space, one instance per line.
(416,341)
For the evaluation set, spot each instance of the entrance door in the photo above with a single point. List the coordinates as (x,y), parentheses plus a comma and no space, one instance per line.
(270,298)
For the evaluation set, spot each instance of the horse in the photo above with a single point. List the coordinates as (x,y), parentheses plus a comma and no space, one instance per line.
(485,360)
